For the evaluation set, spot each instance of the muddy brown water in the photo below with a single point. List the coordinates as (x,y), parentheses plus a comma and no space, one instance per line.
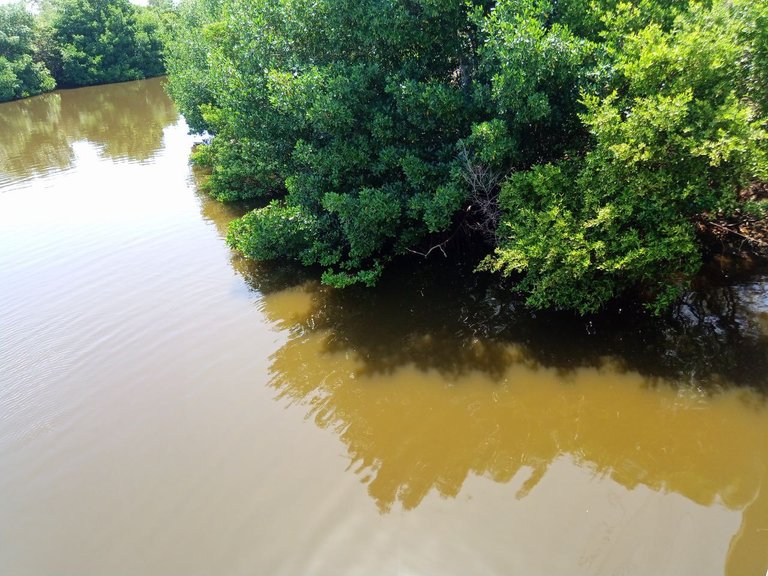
(169,408)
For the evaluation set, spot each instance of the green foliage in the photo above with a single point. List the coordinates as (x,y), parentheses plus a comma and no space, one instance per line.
(681,139)
(272,232)
(186,60)
(79,42)
(757,208)
(536,67)
(17,31)
(151,25)
(579,251)
(379,128)
(22,73)
(102,41)
(349,112)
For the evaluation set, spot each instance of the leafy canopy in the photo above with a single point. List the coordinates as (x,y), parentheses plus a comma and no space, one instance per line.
(73,43)
(101,41)
(22,73)
(580,138)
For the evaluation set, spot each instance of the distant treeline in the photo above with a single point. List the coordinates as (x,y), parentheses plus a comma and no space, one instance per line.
(573,144)
(68,43)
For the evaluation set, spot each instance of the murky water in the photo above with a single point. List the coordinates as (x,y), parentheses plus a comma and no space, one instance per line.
(168,408)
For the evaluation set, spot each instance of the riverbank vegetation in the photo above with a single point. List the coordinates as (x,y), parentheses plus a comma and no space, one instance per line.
(69,43)
(577,146)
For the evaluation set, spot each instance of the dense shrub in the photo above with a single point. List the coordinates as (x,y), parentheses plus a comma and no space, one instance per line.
(22,73)
(580,137)
(101,41)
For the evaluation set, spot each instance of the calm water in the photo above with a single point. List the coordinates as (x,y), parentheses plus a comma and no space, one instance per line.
(167,408)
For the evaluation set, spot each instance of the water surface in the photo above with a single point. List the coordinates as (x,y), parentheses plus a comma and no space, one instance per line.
(169,408)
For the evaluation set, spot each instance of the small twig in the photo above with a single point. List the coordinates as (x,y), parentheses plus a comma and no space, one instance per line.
(483,182)
(428,252)
(749,238)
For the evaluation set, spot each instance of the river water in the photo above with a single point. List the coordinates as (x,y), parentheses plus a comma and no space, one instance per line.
(167,408)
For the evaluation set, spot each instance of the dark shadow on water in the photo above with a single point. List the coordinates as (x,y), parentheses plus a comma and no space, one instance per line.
(440,315)
(429,380)
(455,321)
(439,374)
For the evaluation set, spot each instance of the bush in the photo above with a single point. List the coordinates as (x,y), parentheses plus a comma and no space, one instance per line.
(22,73)
(379,129)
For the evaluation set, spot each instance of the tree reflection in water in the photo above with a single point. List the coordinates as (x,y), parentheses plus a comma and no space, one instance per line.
(124,120)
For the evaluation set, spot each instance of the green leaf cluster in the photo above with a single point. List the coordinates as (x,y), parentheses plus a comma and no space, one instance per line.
(102,41)
(346,115)
(586,135)
(678,134)
(70,43)
(22,73)
(186,60)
